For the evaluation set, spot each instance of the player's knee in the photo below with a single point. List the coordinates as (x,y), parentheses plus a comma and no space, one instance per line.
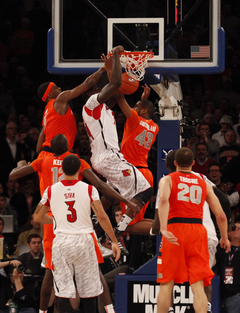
(144,196)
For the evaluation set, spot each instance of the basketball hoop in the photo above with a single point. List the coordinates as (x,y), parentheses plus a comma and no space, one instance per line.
(135,62)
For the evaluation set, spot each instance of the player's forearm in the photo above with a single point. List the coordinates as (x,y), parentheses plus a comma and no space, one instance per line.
(107,227)
(163,209)
(223,226)
(94,78)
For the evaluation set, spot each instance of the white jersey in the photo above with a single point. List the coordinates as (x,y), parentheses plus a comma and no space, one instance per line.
(100,125)
(70,203)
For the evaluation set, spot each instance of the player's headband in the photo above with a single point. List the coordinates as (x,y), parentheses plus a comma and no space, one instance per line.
(49,88)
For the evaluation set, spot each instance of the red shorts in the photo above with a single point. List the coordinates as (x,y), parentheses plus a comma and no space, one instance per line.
(139,217)
(187,262)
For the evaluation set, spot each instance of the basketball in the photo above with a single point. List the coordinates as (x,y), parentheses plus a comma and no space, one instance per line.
(129,85)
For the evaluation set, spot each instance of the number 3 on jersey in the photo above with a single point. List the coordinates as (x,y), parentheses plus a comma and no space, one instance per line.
(192,193)
(71,217)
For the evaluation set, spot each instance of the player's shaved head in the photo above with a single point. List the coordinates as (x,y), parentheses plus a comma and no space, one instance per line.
(146,104)
(184,157)
(59,144)
(71,164)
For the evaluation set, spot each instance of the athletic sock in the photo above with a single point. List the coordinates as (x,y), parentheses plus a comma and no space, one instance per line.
(109,308)
(42,311)
(122,225)
(171,310)
(209,306)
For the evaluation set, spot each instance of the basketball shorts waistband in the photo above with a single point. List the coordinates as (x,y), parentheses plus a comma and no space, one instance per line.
(185,220)
(47,149)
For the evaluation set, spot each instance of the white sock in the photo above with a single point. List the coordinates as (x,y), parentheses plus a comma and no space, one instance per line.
(209,306)
(171,310)
(122,225)
(42,311)
(109,308)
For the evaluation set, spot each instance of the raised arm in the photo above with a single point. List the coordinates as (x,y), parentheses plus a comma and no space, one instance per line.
(62,101)
(105,188)
(115,79)
(22,169)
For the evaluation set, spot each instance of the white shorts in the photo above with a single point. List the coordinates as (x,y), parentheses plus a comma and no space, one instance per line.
(119,173)
(212,249)
(74,257)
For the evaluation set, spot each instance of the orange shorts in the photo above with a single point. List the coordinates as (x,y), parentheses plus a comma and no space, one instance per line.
(139,217)
(187,262)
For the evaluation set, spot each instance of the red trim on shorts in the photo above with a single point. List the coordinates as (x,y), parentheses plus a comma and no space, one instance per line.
(95,113)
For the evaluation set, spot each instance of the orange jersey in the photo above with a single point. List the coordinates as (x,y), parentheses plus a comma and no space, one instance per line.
(54,124)
(187,196)
(51,169)
(138,138)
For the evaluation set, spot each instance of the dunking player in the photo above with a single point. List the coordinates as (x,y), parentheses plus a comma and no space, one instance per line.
(140,132)
(181,198)
(106,159)
(74,256)
(51,169)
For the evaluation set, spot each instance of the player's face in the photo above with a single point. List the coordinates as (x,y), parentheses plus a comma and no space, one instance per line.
(138,107)
(55,91)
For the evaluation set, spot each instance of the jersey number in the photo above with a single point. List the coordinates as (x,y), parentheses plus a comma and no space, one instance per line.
(145,138)
(57,174)
(71,217)
(192,193)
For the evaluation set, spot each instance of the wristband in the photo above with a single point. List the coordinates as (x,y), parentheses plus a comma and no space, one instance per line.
(151,233)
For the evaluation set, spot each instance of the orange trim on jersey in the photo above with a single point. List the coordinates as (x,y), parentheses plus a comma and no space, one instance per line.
(97,249)
(49,88)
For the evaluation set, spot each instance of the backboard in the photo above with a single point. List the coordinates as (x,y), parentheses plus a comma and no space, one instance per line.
(185,35)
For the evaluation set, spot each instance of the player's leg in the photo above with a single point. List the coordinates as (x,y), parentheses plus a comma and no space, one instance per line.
(89,304)
(64,305)
(46,290)
(164,297)
(105,296)
(200,301)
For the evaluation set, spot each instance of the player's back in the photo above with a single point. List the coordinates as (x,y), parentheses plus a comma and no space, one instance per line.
(138,138)
(188,195)
(100,126)
(70,202)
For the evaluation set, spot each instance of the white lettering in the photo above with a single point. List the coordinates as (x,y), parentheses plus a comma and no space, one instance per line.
(179,309)
(57,162)
(189,180)
(145,293)
(150,308)
(149,127)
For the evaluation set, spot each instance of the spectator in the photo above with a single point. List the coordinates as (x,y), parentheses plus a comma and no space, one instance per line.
(32,260)
(16,289)
(226,92)
(32,228)
(225,123)
(8,210)
(13,152)
(7,244)
(201,160)
(204,136)
(227,267)
(11,188)
(230,149)
(215,173)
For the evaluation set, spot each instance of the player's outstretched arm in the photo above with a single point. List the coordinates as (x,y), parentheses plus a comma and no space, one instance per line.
(105,189)
(22,169)
(115,79)
(221,218)
(146,92)
(106,226)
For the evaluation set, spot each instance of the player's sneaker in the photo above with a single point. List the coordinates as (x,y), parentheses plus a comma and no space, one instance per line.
(121,243)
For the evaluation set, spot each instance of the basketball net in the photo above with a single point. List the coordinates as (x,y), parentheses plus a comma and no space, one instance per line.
(135,63)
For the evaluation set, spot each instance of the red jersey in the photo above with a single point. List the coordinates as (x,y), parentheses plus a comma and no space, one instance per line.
(54,124)
(138,138)
(51,169)
(187,196)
